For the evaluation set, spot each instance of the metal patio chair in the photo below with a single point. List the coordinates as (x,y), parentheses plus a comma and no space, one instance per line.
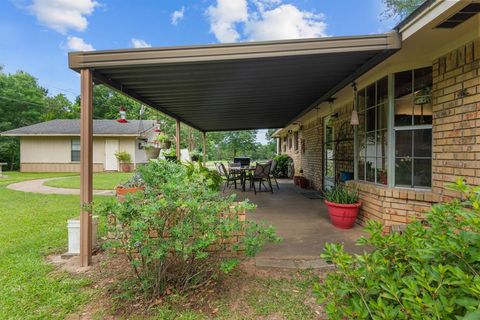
(229,175)
(261,174)
(273,174)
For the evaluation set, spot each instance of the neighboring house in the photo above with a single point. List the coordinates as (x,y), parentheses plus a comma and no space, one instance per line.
(54,146)
(419,119)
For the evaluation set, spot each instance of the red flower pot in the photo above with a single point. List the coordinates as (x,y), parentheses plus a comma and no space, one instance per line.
(343,216)
(303,182)
(121,191)
(126,167)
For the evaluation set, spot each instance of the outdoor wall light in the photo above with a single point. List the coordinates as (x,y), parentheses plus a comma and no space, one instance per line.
(354,119)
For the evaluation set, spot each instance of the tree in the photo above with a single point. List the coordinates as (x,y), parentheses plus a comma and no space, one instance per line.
(400,8)
(22,102)
(240,141)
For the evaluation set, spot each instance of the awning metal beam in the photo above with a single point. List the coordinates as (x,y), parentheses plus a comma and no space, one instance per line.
(248,85)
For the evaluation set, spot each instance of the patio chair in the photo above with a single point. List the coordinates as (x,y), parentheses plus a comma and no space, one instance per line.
(273,174)
(228,175)
(261,174)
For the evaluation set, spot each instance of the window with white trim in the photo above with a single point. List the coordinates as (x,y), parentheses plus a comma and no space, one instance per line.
(75,150)
(372,132)
(405,97)
(413,128)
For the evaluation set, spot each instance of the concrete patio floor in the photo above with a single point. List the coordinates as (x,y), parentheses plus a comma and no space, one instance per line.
(302,223)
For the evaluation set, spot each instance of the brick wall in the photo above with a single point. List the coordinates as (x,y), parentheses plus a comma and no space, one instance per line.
(309,157)
(456,142)
(456,117)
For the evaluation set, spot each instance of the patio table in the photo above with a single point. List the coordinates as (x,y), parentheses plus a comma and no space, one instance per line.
(1,165)
(243,172)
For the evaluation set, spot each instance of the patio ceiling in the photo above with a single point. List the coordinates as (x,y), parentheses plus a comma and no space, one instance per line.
(238,86)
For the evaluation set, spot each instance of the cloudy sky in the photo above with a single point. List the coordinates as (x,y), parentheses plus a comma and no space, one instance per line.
(35,35)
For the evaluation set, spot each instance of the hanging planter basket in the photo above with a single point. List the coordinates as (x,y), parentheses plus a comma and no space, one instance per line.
(164,144)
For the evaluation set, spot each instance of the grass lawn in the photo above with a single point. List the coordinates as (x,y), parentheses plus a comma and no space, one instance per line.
(32,226)
(101,181)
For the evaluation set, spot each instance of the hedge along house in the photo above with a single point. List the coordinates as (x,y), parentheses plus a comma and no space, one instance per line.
(54,146)
(291,85)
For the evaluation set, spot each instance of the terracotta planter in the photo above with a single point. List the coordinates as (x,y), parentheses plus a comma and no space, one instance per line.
(296,180)
(303,182)
(343,216)
(122,191)
(126,167)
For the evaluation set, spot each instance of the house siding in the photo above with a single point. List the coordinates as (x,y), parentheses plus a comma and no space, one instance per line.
(53,154)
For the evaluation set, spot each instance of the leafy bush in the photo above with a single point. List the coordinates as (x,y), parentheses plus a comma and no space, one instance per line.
(429,271)
(174,232)
(211,178)
(341,195)
(162,137)
(283,161)
(123,157)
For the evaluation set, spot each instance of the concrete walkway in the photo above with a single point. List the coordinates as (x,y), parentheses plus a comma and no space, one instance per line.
(37,186)
(303,224)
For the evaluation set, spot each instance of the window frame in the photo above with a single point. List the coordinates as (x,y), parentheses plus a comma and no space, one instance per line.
(391,140)
(72,149)
(376,131)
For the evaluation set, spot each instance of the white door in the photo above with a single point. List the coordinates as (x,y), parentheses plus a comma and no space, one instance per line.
(111,162)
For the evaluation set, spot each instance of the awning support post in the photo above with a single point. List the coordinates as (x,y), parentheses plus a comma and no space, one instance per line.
(86,164)
(177,141)
(204,136)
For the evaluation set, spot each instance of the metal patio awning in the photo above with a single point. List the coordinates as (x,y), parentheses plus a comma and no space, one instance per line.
(238,86)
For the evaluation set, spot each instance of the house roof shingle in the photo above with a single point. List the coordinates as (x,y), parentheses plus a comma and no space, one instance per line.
(72,128)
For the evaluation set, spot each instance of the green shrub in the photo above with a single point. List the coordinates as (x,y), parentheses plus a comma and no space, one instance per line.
(123,157)
(211,178)
(168,231)
(162,137)
(429,271)
(283,161)
(341,195)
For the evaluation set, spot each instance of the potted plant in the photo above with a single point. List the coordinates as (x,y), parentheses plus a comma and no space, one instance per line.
(170,154)
(163,141)
(133,185)
(125,160)
(195,156)
(343,206)
(151,151)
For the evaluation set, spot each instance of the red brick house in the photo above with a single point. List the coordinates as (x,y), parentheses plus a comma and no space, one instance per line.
(418,119)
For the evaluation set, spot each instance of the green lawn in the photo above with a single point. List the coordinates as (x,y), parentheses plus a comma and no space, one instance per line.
(101,181)
(32,226)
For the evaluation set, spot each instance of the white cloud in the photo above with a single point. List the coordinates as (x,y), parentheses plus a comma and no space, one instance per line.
(78,44)
(177,15)
(230,21)
(139,43)
(63,15)
(224,17)
(285,22)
